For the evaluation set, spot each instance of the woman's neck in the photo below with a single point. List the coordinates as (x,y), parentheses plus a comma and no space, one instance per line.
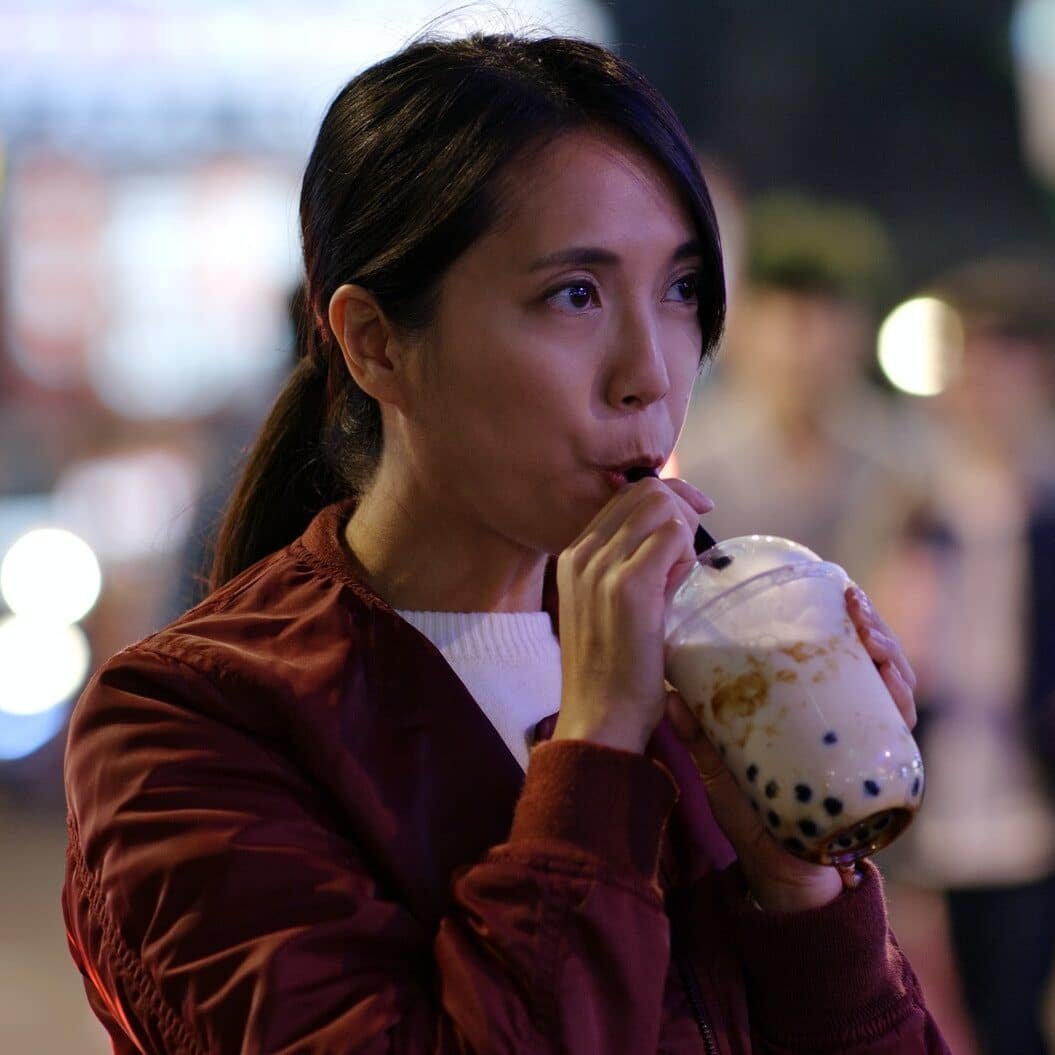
(422,558)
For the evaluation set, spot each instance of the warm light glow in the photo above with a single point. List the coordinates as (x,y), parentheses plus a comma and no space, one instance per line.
(42,664)
(50,575)
(921,346)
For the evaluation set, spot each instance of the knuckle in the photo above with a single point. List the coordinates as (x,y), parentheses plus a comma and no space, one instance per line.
(612,584)
(579,557)
(674,525)
(658,497)
(571,564)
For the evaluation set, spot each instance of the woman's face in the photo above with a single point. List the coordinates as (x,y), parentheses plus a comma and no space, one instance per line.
(566,343)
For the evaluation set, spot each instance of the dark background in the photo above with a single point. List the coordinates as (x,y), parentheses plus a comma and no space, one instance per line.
(904,106)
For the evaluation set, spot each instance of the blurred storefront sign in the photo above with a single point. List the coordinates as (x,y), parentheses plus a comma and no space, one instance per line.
(154,154)
(163,290)
(155,78)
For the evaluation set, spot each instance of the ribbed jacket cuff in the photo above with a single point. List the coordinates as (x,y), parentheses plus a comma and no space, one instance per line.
(598,801)
(821,972)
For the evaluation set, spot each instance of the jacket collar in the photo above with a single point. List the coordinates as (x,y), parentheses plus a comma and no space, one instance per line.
(442,764)
(432,763)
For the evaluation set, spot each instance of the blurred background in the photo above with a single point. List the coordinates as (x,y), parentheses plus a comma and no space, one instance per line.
(885,179)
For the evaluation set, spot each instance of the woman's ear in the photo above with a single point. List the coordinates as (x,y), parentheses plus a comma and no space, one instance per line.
(371,350)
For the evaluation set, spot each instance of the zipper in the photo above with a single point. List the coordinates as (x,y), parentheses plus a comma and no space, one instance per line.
(688,980)
(691,985)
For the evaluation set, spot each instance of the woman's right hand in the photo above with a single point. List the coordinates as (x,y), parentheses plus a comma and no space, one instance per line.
(614,582)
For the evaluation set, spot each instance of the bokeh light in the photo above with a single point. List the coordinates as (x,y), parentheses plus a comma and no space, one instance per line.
(131,505)
(50,575)
(921,346)
(42,664)
(22,734)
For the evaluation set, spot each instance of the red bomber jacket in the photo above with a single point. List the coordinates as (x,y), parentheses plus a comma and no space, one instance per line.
(292,830)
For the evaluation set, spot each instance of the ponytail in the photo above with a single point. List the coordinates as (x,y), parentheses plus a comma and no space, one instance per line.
(320,443)
(283,481)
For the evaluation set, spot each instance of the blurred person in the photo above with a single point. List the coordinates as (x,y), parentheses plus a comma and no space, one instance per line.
(792,438)
(362,797)
(972,592)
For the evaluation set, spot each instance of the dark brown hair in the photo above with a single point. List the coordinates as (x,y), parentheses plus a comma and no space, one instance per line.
(403,178)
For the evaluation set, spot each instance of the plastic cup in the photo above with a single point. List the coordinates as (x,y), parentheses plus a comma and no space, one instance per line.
(767,658)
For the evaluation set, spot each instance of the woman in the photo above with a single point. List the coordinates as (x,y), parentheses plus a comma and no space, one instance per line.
(297,818)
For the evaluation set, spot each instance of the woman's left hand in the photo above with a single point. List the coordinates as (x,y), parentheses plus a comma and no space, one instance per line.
(885,649)
(779,881)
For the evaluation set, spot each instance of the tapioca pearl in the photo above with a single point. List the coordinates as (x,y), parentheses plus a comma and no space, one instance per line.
(808,828)
(871,787)
(915,787)
(772,789)
(845,841)
(752,772)
(861,833)
(796,846)
(882,822)
(774,819)
(755,806)
(803,792)
(723,750)
(830,737)
(832,806)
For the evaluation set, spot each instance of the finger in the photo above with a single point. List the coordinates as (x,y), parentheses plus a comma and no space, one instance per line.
(658,559)
(900,692)
(732,808)
(682,720)
(698,501)
(860,605)
(878,646)
(614,513)
(654,507)
(647,517)
(883,649)
(683,496)
(870,624)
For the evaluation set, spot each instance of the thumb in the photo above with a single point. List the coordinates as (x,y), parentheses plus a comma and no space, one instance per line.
(689,731)
(682,719)
(732,808)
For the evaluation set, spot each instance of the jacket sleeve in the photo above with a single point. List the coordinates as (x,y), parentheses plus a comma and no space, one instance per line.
(214,904)
(830,979)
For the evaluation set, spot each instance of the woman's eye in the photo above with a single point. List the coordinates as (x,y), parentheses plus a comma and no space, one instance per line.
(576,297)
(687,287)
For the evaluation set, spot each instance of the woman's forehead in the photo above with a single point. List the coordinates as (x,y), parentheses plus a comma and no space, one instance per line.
(588,189)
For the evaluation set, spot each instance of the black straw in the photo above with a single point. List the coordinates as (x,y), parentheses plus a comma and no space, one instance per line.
(702,541)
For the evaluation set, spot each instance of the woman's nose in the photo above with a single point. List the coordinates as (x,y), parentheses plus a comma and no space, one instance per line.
(638,375)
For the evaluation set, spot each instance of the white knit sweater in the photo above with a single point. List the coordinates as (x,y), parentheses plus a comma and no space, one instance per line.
(509,662)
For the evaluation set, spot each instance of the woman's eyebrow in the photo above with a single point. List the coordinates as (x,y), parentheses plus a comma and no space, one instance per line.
(585,255)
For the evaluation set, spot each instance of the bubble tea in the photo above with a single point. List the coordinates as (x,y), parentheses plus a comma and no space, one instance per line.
(760,646)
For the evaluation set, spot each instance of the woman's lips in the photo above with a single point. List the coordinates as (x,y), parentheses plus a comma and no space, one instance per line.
(618,478)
